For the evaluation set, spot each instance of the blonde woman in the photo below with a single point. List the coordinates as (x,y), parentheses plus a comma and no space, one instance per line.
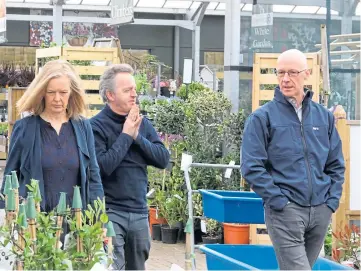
(54,144)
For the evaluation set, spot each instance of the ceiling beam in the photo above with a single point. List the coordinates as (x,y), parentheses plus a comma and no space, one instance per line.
(75,19)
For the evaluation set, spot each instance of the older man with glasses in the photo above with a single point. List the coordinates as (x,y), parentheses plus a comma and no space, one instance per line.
(292,157)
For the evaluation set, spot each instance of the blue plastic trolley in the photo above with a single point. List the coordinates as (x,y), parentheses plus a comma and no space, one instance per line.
(234,207)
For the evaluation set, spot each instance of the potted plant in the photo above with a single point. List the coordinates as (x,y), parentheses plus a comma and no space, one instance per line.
(348,246)
(33,238)
(156,220)
(170,212)
(213,232)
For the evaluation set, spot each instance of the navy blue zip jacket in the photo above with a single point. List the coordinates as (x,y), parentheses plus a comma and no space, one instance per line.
(123,161)
(25,157)
(285,159)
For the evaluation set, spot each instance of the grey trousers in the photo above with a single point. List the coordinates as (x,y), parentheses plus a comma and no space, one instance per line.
(132,241)
(297,234)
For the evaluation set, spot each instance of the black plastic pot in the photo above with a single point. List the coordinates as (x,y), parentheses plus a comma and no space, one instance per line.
(157,232)
(211,239)
(169,235)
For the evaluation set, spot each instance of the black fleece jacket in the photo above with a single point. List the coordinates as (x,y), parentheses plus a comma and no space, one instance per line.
(123,161)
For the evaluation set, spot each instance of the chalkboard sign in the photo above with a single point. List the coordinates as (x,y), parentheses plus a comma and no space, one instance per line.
(262,27)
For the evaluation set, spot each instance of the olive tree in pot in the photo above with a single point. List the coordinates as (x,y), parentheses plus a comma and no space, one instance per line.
(213,232)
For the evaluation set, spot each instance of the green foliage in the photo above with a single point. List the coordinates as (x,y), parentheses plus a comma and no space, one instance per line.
(91,235)
(214,228)
(47,254)
(192,88)
(170,117)
(210,133)
(142,83)
(328,242)
(3,128)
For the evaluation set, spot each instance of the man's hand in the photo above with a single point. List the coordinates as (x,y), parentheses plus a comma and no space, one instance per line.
(132,124)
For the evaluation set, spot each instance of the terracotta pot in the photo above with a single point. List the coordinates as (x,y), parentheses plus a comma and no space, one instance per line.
(154,220)
(236,233)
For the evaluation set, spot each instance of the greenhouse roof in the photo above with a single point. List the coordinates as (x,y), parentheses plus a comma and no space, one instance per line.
(215,7)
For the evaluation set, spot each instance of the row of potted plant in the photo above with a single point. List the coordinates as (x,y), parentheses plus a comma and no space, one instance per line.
(197,122)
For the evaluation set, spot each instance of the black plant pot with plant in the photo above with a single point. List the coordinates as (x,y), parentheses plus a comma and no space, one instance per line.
(169,234)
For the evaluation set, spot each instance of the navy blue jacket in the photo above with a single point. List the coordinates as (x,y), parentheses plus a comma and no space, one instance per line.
(284,159)
(25,157)
(123,161)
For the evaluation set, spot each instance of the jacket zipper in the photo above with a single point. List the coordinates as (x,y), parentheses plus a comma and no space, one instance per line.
(310,188)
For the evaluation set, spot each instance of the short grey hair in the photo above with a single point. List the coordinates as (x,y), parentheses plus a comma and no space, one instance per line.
(107,80)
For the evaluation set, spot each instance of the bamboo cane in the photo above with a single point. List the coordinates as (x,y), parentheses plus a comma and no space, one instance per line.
(59,224)
(10,217)
(32,229)
(79,241)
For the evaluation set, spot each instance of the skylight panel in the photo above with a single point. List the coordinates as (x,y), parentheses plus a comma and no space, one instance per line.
(283,8)
(212,5)
(15,1)
(151,3)
(177,4)
(323,10)
(221,6)
(195,5)
(305,9)
(72,2)
(36,1)
(95,2)
(247,7)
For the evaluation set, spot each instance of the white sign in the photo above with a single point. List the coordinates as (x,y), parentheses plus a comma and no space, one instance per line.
(187,71)
(122,12)
(264,19)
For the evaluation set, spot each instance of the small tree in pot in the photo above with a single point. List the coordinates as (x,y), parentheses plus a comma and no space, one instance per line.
(170,212)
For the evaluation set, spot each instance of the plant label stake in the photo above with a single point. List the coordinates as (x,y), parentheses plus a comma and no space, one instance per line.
(10,208)
(61,211)
(21,231)
(7,188)
(77,206)
(15,186)
(32,223)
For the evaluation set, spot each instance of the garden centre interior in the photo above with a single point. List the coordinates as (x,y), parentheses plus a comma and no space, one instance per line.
(222,54)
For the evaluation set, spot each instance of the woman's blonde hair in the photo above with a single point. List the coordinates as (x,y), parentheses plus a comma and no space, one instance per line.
(33,98)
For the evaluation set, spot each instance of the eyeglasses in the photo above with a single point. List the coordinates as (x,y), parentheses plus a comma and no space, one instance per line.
(291,73)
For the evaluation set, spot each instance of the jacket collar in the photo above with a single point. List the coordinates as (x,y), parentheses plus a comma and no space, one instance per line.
(278,96)
(80,135)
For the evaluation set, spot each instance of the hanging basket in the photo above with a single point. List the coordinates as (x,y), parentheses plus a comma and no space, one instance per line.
(77,41)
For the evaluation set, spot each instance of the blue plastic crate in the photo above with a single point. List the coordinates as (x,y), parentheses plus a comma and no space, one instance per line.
(252,257)
(233,206)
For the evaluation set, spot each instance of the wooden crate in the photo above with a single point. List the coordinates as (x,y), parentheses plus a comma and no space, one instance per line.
(258,235)
(77,55)
(267,62)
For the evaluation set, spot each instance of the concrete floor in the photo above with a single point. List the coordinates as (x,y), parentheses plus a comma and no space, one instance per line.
(162,256)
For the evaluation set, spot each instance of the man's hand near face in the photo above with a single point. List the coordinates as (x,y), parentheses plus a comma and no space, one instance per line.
(132,124)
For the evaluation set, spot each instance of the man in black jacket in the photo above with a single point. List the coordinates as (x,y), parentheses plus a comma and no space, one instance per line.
(125,144)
